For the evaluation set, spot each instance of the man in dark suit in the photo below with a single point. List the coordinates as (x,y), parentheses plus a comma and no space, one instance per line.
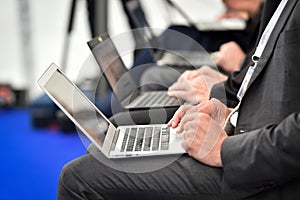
(233,82)
(260,161)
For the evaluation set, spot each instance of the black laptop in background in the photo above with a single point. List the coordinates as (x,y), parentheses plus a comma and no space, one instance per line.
(193,58)
(125,88)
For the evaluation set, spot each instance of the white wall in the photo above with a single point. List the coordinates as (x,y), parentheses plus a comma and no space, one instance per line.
(48,26)
(10,52)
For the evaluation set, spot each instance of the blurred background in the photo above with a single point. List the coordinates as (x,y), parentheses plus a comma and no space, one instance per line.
(35,141)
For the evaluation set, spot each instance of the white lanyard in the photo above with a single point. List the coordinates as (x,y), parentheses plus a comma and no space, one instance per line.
(260,48)
(233,116)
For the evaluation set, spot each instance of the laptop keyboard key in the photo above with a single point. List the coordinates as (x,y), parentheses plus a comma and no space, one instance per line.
(140,139)
(125,139)
(131,139)
(148,138)
(165,138)
(156,138)
(114,142)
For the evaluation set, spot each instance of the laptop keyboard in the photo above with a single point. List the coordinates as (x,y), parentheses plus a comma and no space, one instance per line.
(159,99)
(146,139)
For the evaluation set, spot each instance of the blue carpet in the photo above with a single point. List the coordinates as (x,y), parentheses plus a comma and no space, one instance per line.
(31,159)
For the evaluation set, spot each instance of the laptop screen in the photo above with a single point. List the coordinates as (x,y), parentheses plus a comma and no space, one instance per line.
(113,67)
(73,102)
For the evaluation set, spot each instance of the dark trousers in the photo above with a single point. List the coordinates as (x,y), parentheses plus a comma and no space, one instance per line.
(95,177)
(185,178)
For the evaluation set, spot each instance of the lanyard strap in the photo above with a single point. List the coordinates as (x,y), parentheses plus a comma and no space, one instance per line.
(232,118)
(268,30)
(260,48)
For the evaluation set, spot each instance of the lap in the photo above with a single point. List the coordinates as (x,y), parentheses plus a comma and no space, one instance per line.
(184,177)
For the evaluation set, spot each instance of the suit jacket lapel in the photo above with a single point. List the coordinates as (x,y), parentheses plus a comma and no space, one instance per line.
(272,40)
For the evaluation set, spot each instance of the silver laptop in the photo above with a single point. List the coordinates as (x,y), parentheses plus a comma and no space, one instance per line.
(125,88)
(114,142)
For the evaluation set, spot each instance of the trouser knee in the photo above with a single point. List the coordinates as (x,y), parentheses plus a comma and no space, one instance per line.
(67,184)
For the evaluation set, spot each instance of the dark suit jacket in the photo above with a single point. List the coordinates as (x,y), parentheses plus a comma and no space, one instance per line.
(226,92)
(264,152)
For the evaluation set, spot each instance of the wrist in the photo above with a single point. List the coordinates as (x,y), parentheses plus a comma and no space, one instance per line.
(219,162)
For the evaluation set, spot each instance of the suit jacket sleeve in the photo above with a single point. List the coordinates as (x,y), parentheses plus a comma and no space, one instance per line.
(226,91)
(263,156)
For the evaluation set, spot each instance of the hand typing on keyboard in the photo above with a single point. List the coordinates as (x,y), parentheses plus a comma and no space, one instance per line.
(202,126)
(194,85)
